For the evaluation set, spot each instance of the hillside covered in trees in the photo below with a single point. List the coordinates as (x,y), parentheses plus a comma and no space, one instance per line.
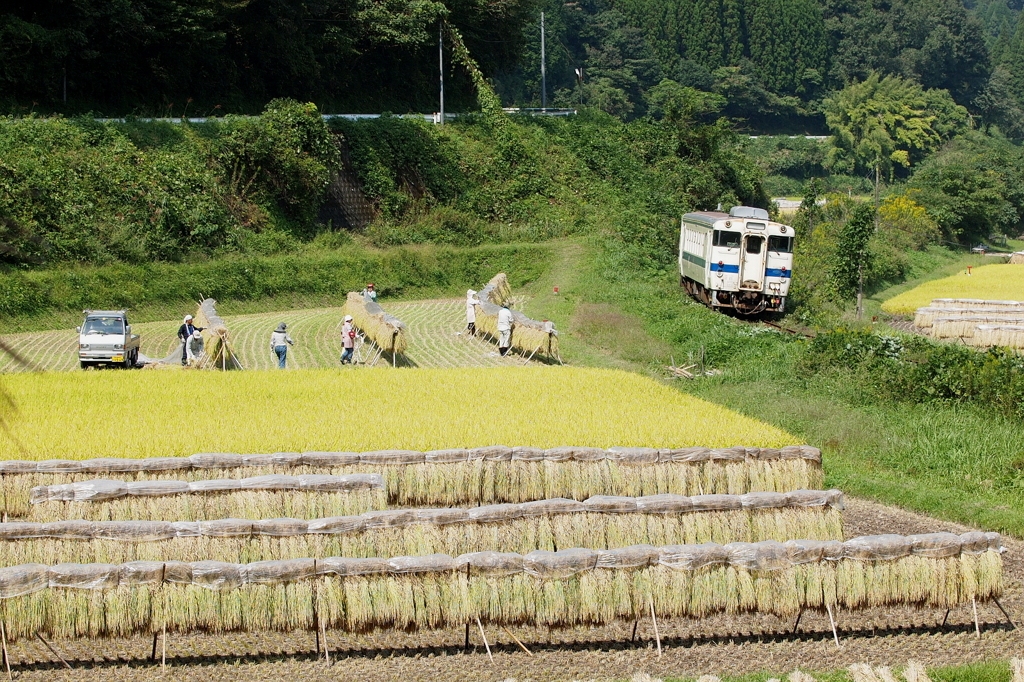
(773,61)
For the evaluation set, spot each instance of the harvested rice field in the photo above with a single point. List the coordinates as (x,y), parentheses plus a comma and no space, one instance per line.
(720,645)
(434,330)
(998,282)
(59,416)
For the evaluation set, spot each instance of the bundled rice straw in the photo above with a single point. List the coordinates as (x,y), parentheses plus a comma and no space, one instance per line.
(558,589)
(458,476)
(1017,258)
(218,352)
(1017,306)
(966,326)
(599,523)
(925,318)
(529,336)
(261,496)
(386,331)
(1010,336)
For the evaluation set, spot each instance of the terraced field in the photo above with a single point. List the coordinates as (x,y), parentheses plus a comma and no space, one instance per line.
(435,339)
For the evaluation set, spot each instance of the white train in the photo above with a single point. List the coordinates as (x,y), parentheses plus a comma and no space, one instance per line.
(739,260)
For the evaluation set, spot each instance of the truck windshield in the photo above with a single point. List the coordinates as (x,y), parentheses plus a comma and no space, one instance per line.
(103,325)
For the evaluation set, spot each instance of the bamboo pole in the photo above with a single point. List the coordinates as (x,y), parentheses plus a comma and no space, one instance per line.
(832,620)
(516,640)
(53,651)
(977,626)
(7,655)
(482,635)
(657,635)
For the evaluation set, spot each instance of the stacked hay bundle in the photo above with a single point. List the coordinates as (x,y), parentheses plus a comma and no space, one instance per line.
(529,336)
(1017,258)
(311,495)
(1006,335)
(386,331)
(484,475)
(978,322)
(599,523)
(217,351)
(567,588)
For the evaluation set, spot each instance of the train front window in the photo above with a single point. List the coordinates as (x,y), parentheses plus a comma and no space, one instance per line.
(754,244)
(727,239)
(781,244)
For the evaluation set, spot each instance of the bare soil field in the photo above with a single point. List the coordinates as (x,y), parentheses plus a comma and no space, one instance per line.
(721,645)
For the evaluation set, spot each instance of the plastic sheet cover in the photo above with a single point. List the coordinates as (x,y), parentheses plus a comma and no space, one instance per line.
(876,547)
(446,456)
(392,457)
(758,556)
(633,456)
(431,563)
(610,504)
(634,556)
(664,504)
(692,557)
(555,505)
(282,571)
(525,454)
(496,513)
(935,545)
(16,581)
(716,502)
(491,563)
(219,576)
(84,576)
(560,564)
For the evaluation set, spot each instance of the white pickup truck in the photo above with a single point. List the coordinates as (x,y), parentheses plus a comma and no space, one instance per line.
(105,337)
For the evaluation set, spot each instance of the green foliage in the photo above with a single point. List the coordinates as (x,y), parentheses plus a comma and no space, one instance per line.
(973,187)
(399,159)
(851,258)
(936,43)
(918,370)
(880,123)
(314,272)
(285,156)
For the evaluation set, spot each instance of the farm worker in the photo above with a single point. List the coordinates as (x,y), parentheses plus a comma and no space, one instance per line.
(504,329)
(194,346)
(348,340)
(277,343)
(370,292)
(471,303)
(185,331)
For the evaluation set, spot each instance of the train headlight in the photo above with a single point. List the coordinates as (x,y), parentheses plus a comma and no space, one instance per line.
(783,229)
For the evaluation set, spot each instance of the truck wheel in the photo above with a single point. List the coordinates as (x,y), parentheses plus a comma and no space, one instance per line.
(84,364)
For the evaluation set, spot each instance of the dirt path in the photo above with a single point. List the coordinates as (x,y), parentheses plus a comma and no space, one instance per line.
(720,645)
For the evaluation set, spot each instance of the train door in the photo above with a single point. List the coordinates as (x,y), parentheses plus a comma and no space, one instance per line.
(752,263)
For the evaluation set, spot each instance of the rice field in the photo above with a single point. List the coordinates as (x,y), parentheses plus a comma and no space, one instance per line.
(79,415)
(434,331)
(990,282)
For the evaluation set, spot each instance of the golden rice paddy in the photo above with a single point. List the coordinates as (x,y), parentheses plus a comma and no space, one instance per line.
(990,282)
(148,414)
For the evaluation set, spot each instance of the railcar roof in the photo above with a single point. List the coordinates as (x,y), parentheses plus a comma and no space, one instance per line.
(714,215)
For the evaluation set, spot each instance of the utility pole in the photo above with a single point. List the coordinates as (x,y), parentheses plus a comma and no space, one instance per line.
(543,68)
(440,61)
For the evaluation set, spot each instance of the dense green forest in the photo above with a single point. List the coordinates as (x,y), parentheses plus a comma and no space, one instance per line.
(773,61)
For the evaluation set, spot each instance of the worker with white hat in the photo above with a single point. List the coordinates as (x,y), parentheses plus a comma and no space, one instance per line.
(471,303)
(279,342)
(185,332)
(348,340)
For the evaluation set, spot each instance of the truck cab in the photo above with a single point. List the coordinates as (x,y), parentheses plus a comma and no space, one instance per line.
(105,338)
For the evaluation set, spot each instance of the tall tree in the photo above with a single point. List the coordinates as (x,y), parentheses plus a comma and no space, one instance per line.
(882,123)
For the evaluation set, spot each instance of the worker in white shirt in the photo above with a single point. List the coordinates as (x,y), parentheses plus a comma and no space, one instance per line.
(505,322)
(279,342)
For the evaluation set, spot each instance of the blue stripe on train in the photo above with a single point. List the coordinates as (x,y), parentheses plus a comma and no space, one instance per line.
(769,272)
